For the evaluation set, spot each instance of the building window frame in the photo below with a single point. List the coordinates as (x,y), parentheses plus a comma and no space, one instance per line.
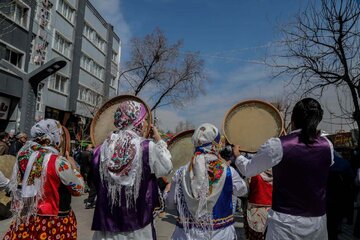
(59,83)
(25,16)
(66,52)
(66,10)
(16,50)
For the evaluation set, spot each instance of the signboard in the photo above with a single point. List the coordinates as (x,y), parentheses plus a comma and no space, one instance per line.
(342,139)
(4,107)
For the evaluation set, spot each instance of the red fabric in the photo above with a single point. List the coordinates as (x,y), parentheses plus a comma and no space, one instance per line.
(49,205)
(260,191)
(44,228)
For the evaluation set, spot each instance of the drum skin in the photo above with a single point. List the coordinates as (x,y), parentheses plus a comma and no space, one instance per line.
(250,123)
(181,149)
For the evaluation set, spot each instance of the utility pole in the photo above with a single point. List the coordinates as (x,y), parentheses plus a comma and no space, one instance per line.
(30,84)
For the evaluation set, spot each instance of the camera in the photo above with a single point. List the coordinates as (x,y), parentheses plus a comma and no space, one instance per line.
(227,153)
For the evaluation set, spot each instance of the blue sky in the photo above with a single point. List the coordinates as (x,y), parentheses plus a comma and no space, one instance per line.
(232,36)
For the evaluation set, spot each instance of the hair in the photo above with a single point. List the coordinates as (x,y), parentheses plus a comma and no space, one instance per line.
(3,135)
(306,115)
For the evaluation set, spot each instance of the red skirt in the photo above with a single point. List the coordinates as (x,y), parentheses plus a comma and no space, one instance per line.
(44,227)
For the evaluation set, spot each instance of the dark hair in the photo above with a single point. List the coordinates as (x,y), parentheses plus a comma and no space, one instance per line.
(3,135)
(307,114)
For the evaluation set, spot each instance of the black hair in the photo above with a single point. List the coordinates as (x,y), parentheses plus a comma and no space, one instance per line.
(306,115)
(3,135)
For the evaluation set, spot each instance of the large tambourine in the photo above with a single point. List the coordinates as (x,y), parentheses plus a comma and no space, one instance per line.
(7,163)
(103,122)
(181,149)
(250,123)
(65,141)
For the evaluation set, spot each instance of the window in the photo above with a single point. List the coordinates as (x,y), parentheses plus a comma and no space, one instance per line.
(113,81)
(66,10)
(114,56)
(13,57)
(17,12)
(89,96)
(39,105)
(62,45)
(94,37)
(91,66)
(59,83)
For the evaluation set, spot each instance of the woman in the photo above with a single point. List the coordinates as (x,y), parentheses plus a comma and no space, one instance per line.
(202,191)
(41,206)
(258,205)
(300,162)
(126,167)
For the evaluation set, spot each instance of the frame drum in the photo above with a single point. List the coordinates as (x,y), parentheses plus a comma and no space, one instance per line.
(7,163)
(65,141)
(250,123)
(181,149)
(103,122)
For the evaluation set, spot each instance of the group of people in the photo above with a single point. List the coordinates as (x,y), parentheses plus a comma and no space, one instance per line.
(11,144)
(291,197)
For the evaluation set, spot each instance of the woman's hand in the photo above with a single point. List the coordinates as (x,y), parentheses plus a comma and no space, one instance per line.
(236,150)
(155,133)
(71,161)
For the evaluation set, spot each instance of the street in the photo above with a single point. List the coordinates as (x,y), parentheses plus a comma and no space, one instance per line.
(164,226)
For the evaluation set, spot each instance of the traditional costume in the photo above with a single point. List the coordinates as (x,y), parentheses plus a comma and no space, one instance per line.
(299,185)
(126,167)
(258,204)
(202,190)
(42,206)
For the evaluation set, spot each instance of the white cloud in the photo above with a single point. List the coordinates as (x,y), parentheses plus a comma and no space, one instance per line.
(112,12)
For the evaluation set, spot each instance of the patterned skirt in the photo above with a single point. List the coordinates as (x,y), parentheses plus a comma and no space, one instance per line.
(44,227)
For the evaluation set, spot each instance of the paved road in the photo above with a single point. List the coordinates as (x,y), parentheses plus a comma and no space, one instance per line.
(165,225)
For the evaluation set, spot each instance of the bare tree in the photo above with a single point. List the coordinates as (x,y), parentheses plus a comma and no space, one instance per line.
(322,50)
(162,73)
(183,126)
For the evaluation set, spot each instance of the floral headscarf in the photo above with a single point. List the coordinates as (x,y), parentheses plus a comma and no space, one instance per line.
(130,115)
(121,154)
(47,129)
(31,167)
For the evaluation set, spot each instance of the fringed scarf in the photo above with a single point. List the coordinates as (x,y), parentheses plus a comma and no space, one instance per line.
(121,154)
(201,182)
(31,167)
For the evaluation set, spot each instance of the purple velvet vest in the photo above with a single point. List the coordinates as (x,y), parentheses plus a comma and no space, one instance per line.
(299,186)
(122,219)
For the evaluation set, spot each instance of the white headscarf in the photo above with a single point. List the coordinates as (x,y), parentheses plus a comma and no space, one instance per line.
(200,187)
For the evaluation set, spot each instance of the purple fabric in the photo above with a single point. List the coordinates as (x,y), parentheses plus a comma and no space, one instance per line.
(299,186)
(122,219)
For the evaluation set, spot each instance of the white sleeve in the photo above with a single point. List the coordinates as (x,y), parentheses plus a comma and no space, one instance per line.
(159,158)
(331,151)
(269,155)
(4,181)
(239,186)
(169,197)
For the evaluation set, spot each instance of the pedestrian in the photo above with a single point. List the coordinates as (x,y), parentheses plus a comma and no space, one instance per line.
(5,212)
(339,195)
(300,162)
(201,191)
(4,146)
(21,139)
(42,206)
(258,204)
(357,220)
(126,167)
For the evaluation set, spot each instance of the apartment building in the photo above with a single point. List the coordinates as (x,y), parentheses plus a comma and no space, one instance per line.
(16,23)
(75,31)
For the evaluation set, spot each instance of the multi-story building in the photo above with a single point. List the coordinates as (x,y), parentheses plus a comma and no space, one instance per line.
(75,31)
(16,24)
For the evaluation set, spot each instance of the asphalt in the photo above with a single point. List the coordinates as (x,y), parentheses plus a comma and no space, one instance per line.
(164,225)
